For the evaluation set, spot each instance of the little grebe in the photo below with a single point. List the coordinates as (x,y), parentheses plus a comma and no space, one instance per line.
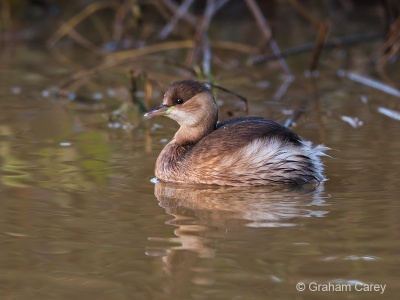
(240,151)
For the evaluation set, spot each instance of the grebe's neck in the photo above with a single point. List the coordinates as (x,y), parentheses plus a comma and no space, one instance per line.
(189,135)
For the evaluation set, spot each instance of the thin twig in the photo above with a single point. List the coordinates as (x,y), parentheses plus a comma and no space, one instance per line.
(232,46)
(260,19)
(207,56)
(133,86)
(283,87)
(84,42)
(335,42)
(133,53)
(211,8)
(159,6)
(244,99)
(187,17)
(75,20)
(207,53)
(85,73)
(391,45)
(120,16)
(321,38)
(275,48)
(267,32)
(389,113)
(171,24)
(148,89)
(226,45)
(304,13)
(219,4)
(295,115)
(388,18)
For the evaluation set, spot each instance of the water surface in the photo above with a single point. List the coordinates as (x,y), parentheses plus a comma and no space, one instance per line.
(80,218)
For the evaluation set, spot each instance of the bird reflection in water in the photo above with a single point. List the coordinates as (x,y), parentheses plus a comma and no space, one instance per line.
(206,215)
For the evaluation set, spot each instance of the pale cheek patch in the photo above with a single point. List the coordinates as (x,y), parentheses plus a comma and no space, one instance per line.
(183,118)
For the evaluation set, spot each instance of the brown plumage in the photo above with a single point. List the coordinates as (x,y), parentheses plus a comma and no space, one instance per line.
(240,151)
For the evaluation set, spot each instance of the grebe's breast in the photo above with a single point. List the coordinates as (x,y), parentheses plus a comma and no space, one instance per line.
(252,151)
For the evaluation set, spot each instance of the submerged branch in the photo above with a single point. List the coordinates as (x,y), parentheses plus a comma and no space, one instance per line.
(370,82)
(295,115)
(395,115)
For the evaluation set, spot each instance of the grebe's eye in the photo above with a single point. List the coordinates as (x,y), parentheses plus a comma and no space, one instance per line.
(179,101)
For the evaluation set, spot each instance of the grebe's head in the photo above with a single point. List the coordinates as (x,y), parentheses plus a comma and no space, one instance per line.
(188,102)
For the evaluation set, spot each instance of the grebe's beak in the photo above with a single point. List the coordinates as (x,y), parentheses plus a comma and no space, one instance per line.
(161,110)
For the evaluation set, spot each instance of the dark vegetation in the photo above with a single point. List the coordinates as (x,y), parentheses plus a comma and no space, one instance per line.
(118,32)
